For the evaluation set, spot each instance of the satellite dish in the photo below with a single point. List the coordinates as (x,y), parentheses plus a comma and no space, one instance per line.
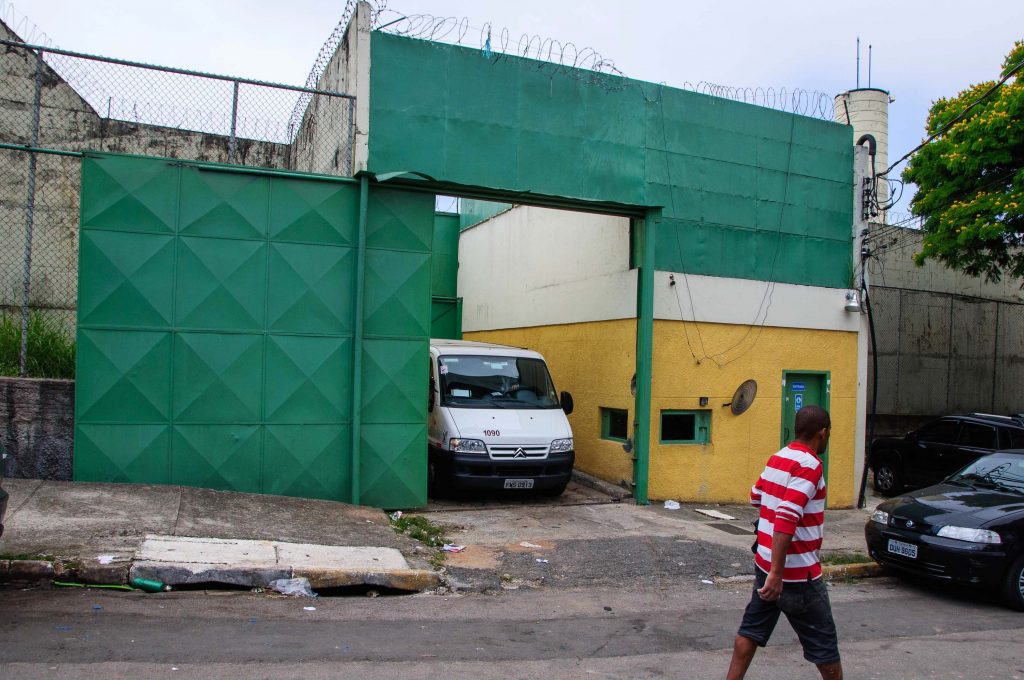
(743,397)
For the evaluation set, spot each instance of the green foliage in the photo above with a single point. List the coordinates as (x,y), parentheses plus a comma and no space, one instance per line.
(51,348)
(971,179)
(420,529)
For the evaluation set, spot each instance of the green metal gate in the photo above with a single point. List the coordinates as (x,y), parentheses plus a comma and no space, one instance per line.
(252,331)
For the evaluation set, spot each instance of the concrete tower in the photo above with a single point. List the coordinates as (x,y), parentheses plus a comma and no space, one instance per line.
(867,110)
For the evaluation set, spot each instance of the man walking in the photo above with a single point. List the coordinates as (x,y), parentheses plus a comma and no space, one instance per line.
(791,496)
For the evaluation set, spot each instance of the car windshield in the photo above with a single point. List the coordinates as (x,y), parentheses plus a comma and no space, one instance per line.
(998,471)
(495,382)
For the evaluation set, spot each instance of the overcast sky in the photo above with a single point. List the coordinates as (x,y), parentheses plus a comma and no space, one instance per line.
(922,50)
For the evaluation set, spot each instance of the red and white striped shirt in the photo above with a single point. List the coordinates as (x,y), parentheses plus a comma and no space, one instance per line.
(791,495)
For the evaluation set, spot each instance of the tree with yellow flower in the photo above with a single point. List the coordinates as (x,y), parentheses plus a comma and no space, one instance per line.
(970,177)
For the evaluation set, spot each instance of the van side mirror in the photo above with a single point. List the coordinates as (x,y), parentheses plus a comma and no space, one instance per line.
(430,401)
(566,402)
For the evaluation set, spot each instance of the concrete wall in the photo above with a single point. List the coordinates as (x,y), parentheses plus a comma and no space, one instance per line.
(893,267)
(322,143)
(940,353)
(37,427)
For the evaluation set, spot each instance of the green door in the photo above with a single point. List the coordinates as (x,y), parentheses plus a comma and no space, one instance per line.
(800,389)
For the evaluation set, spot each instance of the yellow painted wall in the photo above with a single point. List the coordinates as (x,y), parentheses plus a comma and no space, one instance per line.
(596,360)
(724,470)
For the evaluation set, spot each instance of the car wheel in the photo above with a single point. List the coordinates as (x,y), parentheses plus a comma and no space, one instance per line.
(887,479)
(437,484)
(1013,587)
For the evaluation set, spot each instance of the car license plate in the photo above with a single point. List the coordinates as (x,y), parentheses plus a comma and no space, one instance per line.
(901,548)
(518,483)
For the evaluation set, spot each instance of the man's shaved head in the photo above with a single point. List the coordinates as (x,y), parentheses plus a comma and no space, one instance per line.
(811,419)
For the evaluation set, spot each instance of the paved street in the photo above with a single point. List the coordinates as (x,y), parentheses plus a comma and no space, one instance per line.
(889,629)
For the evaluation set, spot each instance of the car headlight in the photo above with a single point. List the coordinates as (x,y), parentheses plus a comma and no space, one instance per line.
(880,516)
(561,445)
(467,445)
(970,535)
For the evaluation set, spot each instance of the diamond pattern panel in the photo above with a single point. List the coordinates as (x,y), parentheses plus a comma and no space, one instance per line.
(310,288)
(393,470)
(402,220)
(125,276)
(308,379)
(393,386)
(221,284)
(314,211)
(122,453)
(226,204)
(215,332)
(311,461)
(129,194)
(123,376)
(217,377)
(397,294)
(224,457)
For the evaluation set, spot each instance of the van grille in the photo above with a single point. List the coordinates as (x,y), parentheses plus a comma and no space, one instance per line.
(517,452)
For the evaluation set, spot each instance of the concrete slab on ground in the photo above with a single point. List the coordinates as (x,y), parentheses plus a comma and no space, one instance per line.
(183,560)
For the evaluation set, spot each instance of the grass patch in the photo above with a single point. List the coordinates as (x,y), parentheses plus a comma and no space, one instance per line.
(420,529)
(845,558)
(51,347)
(27,556)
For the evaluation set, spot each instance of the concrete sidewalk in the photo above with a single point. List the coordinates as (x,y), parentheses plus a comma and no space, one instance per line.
(109,533)
(93,532)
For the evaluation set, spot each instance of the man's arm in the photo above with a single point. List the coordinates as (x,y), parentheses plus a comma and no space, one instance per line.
(773,582)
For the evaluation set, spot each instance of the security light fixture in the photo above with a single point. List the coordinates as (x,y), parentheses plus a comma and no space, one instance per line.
(852,301)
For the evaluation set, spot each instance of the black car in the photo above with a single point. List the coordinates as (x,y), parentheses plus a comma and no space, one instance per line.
(940,448)
(969,529)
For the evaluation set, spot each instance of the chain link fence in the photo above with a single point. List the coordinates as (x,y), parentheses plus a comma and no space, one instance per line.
(56,104)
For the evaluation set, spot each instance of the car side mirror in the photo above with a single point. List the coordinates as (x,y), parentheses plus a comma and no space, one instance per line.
(430,402)
(566,402)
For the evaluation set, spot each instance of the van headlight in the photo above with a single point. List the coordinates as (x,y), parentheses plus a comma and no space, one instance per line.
(561,445)
(970,535)
(466,445)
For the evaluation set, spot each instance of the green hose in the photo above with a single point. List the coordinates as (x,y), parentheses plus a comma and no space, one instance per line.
(67,584)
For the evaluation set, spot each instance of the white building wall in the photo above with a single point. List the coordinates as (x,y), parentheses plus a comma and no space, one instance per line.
(536,266)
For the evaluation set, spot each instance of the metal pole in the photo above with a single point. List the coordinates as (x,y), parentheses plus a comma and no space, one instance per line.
(30,208)
(351,154)
(234,123)
(644,359)
(357,341)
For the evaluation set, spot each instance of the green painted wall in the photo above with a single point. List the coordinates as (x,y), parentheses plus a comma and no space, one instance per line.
(446,308)
(746,191)
(472,212)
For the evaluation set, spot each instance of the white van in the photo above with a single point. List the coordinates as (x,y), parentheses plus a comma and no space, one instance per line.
(495,421)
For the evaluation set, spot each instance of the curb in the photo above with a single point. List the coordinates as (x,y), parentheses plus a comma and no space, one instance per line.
(616,492)
(859,570)
(42,572)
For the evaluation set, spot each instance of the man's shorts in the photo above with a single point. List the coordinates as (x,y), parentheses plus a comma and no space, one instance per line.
(809,611)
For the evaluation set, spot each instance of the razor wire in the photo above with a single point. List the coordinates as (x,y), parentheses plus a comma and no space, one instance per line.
(811,103)
(60,102)
(582,63)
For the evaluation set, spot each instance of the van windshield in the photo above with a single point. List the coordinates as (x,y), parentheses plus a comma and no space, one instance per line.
(495,382)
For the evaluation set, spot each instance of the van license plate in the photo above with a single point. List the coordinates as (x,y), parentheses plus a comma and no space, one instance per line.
(518,483)
(901,548)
